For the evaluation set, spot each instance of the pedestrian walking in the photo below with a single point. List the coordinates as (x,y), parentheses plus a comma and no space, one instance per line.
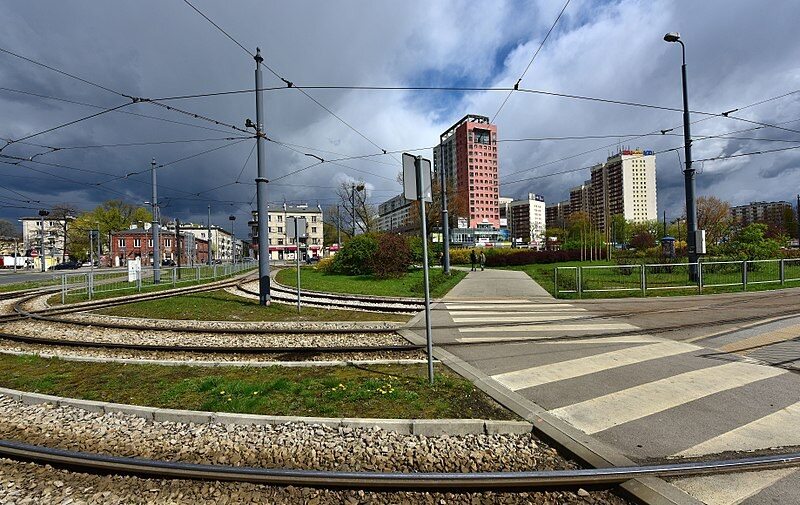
(473,259)
(483,260)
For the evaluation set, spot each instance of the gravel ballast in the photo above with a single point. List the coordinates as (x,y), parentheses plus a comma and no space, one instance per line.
(291,445)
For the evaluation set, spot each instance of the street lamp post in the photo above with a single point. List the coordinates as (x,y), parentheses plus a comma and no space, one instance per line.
(233,240)
(688,172)
(42,214)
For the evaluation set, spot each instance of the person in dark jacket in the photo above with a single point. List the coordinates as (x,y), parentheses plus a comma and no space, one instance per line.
(473,259)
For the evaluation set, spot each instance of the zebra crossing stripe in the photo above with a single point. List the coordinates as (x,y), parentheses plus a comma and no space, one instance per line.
(535,376)
(604,412)
(548,327)
(515,317)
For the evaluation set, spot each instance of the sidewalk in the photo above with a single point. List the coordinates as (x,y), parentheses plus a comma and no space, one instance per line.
(497,284)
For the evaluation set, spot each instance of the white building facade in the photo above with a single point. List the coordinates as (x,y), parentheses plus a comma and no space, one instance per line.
(528,221)
(281,245)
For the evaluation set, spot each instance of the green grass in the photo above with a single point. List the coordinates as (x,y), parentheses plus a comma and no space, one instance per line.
(220,305)
(410,285)
(390,391)
(17,286)
(628,280)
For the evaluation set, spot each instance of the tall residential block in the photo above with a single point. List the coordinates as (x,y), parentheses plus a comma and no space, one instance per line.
(528,220)
(467,153)
(624,185)
(774,214)
(555,215)
(394,214)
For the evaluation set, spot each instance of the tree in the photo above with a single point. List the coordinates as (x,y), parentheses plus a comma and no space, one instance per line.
(365,216)
(9,230)
(751,243)
(714,216)
(63,215)
(109,217)
(456,207)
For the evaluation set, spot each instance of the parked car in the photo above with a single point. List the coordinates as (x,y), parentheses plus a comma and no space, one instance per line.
(168,263)
(67,265)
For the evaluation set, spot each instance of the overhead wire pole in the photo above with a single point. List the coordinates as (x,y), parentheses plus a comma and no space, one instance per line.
(261,191)
(156,248)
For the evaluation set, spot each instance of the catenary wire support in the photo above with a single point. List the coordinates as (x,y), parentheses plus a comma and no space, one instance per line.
(261,191)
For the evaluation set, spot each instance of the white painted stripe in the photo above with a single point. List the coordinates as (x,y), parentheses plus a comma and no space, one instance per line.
(765,433)
(514,317)
(604,412)
(556,339)
(508,306)
(557,310)
(549,327)
(497,302)
(732,488)
(535,376)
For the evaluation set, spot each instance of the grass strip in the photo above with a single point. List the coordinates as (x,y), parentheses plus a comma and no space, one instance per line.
(408,286)
(220,305)
(387,391)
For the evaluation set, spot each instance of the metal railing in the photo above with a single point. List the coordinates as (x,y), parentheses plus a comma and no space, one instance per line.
(89,285)
(641,279)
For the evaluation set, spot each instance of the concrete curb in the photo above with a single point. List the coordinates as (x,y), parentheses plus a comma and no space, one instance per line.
(650,490)
(214,364)
(423,427)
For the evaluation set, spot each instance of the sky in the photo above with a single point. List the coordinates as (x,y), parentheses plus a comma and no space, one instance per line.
(739,53)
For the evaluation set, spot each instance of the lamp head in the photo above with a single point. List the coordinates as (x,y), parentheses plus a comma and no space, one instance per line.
(360,187)
(43,212)
(672,37)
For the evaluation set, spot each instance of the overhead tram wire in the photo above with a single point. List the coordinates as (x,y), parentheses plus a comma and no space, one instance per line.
(541,45)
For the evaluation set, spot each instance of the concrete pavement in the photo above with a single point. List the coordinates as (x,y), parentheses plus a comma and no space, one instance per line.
(648,397)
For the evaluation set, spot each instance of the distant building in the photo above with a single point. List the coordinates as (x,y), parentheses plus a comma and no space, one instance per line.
(53,236)
(467,152)
(773,214)
(281,245)
(221,239)
(580,198)
(136,243)
(504,207)
(555,216)
(624,185)
(393,214)
(528,220)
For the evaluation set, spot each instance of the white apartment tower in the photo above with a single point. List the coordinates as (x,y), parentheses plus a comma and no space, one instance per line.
(624,185)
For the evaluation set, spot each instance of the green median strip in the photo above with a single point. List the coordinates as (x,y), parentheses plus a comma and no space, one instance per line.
(385,391)
(220,305)
(409,285)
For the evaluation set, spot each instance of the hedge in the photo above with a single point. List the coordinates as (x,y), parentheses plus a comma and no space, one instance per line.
(513,257)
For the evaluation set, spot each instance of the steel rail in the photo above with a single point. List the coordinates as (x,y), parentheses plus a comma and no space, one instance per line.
(382,480)
(206,349)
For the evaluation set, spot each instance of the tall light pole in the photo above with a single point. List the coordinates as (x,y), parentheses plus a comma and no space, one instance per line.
(688,172)
(445,223)
(156,248)
(209,235)
(42,214)
(233,240)
(261,191)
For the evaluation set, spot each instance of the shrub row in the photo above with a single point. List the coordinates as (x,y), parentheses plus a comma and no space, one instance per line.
(514,257)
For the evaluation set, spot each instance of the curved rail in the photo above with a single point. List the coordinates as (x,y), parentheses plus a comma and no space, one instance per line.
(382,480)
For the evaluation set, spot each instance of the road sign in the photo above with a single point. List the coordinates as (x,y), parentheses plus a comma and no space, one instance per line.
(410,178)
(301,227)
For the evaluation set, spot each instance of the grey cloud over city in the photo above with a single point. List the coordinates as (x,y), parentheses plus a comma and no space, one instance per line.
(738,53)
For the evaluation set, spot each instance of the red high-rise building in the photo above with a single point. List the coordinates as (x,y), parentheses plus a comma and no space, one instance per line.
(467,152)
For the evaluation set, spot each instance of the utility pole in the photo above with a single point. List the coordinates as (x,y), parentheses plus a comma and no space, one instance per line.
(233,240)
(421,199)
(209,235)
(42,214)
(156,247)
(798,221)
(446,223)
(261,191)
(353,207)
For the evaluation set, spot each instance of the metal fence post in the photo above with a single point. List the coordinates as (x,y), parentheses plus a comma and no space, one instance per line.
(174,276)
(63,289)
(579,278)
(744,275)
(699,277)
(644,281)
(215,270)
(90,284)
(198,274)
(139,281)
(783,273)
(555,281)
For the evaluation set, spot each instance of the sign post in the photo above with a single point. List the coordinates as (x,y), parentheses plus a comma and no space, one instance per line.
(417,186)
(299,225)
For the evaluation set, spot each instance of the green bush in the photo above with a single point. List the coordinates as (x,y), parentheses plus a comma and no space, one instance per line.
(393,256)
(325,265)
(356,255)
(417,254)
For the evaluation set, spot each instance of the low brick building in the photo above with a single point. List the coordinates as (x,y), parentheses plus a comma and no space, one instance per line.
(138,243)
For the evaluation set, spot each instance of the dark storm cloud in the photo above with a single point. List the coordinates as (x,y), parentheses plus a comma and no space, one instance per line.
(738,53)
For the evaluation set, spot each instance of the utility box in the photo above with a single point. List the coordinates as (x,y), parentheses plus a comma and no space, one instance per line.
(700,241)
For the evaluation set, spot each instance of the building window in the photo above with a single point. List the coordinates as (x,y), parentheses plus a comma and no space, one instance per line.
(121,242)
(137,242)
(150,243)
(168,242)
(280,229)
(313,229)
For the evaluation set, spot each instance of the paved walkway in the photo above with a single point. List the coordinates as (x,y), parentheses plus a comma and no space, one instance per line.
(507,284)
(640,396)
